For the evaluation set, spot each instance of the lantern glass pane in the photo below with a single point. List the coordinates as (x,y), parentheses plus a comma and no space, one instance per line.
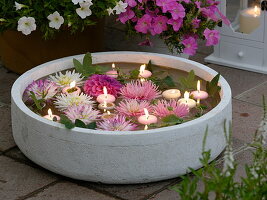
(244,15)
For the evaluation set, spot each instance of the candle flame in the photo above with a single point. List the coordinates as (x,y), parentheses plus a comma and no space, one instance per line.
(186,95)
(50,114)
(146,127)
(108,112)
(256,11)
(113,66)
(146,113)
(142,68)
(105,91)
(198,85)
(72,84)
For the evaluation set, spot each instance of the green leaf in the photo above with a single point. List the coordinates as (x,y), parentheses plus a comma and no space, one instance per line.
(171,120)
(168,81)
(134,74)
(91,125)
(87,60)
(150,66)
(189,82)
(212,87)
(80,123)
(66,121)
(36,101)
(78,66)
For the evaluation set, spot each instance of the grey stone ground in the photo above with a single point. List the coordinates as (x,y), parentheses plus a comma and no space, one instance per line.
(21,179)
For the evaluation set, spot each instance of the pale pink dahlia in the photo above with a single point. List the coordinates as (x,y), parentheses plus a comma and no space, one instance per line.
(133,107)
(118,123)
(85,113)
(95,84)
(146,90)
(165,108)
(42,89)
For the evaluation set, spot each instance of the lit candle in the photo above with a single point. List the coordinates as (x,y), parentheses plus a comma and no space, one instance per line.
(147,119)
(106,106)
(143,73)
(186,100)
(171,94)
(108,115)
(72,89)
(198,94)
(249,19)
(105,97)
(52,117)
(113,73)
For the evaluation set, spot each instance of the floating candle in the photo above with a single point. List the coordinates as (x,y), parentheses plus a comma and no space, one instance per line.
(147,118)
(108,115)
(143,73)
(113,73)
(52,117)
(198,94)
(72,89)
(106,106)
(186,100)
(105,97)
(249,19)
(171,94)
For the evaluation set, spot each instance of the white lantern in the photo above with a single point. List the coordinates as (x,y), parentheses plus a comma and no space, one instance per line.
(243,44)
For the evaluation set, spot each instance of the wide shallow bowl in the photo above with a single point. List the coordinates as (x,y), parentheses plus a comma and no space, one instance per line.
(118,157)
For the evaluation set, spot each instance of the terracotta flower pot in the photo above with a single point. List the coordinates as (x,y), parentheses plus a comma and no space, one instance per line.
(20,53)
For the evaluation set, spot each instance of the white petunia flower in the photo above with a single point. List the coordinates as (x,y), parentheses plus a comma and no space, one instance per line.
(77,1)
(84,10)
(110,11)
(56,20)
(26,25)
(65,79)
(18,6)
(120,7)
(64,101)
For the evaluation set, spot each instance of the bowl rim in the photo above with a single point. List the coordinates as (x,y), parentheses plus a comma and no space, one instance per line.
(226,96)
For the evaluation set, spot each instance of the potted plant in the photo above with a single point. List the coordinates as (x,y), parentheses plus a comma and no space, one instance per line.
(33,32)
(179,23)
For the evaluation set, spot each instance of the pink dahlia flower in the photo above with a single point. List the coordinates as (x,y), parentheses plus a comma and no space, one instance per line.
(94,85)
(85,113)
(133,107)
(43,89)
(140,90)
(165,108)
(118,123)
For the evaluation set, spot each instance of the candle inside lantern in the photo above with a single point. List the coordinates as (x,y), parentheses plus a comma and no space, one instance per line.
(108,115)
(186,100)
(198,94)
(249,19)
(72,89)
(52,117)
(113,73)
(106,106)
(147,119)
(171,94)
(105,97)
(143,73)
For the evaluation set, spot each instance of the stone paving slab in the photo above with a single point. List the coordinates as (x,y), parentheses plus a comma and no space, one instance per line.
(239,80)
(133,192)
(17,180)
(69,191)
(6,138)
(254,95)
(246,120)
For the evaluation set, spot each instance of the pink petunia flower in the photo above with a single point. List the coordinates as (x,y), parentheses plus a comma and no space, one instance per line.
(159,24)
(133,108)
(173,107)
(177,10)
(176,24)
(144,24)
(124,17)
(212,37)
(190,45)
(140,90)
(146,42)
(195,23)
(131,3)
(164,4)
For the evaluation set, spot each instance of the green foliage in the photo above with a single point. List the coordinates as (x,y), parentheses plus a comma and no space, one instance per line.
(78,123)
(66,121)
(87,68)
(189,82)
(171,120)
(37,102)
(212,87)
(40,9)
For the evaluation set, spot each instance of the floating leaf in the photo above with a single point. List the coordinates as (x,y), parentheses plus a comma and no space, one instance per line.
(87,60)
(168,81)
(189,82)
(79,123)
(66,121)
(171,120)
(150,66)
(36,101)
(212,87)
(91,125)
(134,74)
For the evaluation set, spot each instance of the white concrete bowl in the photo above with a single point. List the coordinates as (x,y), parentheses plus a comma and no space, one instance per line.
(118,157)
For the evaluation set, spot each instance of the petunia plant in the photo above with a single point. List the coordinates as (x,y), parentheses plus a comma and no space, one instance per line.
(178,22)
(51,16)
